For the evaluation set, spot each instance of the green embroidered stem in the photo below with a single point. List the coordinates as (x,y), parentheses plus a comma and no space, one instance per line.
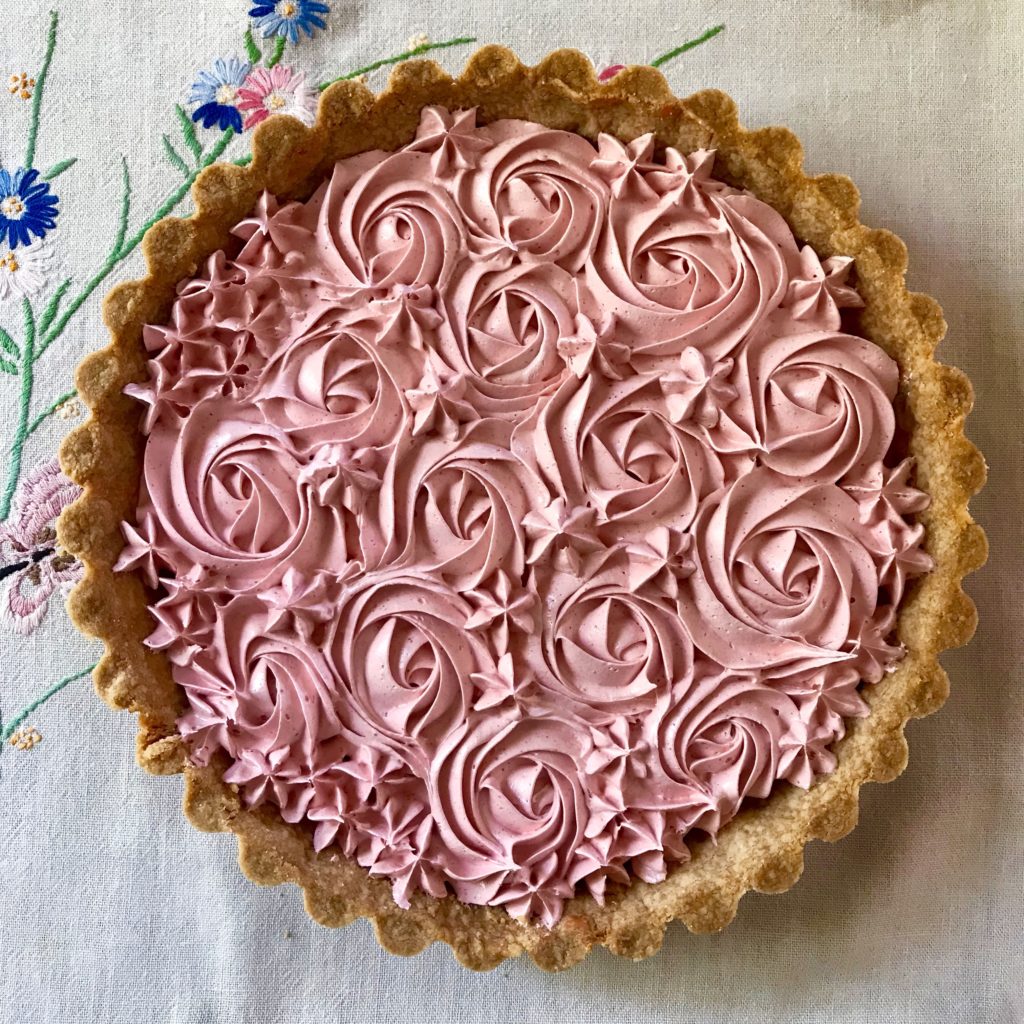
(252,51)
(175,158)
(126,206)
(692,44)
(414,52)
(41,418)
(126,248)
(53,305)
(24,404)
(15,723)
(188,132)
(275,57)
(37,96)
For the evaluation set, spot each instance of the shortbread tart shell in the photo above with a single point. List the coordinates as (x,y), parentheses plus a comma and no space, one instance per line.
(762,848)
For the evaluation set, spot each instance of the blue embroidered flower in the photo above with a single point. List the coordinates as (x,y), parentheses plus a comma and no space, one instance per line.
(26,208)
(288,17)
(216,92)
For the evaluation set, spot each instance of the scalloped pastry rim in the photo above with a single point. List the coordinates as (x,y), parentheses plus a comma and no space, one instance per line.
(762,848)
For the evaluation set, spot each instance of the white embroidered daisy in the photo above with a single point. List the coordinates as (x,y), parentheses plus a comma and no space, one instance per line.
(24,271)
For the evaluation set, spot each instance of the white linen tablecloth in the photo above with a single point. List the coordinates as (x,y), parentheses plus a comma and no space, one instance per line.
(112,909)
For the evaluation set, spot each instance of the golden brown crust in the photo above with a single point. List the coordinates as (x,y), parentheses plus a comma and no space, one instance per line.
(762,848)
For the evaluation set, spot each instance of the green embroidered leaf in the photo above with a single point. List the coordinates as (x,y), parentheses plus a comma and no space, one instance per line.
(58,169)
(126,206)
(53,305)
(8,345)
(175,159)
(188,132)
(19,719)
(686,47)
(385,61)
(37,96)
(275,57)
(252,51)
(7,366)
(49,411)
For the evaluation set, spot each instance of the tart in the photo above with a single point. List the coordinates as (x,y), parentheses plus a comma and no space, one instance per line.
(526,510)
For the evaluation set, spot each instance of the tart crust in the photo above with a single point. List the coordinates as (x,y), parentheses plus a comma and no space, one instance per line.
(762,848)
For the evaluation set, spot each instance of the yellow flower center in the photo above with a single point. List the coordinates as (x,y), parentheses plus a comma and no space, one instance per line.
(287,9)
(12,208)
(227,95)
(8,262)
(26,738)
(274,102)
(21,85)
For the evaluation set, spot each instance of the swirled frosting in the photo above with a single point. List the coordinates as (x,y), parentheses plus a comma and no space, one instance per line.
(515,506)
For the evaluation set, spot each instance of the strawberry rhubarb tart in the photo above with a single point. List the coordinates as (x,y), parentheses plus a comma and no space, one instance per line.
(515,506)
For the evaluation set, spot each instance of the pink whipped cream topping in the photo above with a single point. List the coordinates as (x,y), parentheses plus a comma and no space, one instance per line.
(517,507)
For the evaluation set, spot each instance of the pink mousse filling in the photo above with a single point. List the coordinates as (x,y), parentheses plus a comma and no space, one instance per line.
(517,507)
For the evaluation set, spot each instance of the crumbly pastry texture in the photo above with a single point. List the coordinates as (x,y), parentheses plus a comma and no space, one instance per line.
(761,848)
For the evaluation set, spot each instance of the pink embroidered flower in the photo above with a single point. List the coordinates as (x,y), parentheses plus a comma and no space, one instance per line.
(608,73)
(277,90)
(32,567)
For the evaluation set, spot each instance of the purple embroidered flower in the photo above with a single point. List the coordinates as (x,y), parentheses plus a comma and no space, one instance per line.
(32,567)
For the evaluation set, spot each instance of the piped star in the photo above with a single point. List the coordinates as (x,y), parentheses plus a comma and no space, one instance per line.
(310,595)
(534,893)
(625,165)
(699,389)
(905,561)
(563,531)
(331,808)
(256,772)
(592,868)
(682,173)
(874,655)
(884,499)
(185,616)
(821,289)
(452,139)
(410,870)
(887,493)
(258,222)
(593,347)
(504,684)
(370,767)
(502,607)
(616,749)
(607,804)
(438,400)
(405,316)
(661,559)
(338,474)
(139,551)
